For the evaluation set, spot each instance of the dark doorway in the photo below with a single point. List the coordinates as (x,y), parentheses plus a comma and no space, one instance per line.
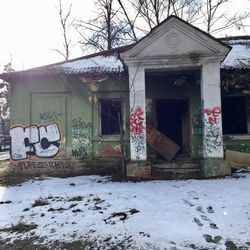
(173,121)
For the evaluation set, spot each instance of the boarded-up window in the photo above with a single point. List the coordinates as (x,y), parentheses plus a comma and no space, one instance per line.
(110,116)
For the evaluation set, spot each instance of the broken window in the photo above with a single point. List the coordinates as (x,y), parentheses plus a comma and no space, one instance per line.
(110,116)
(234,115)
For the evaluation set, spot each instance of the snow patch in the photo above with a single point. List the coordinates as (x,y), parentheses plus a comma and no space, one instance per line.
(149,215)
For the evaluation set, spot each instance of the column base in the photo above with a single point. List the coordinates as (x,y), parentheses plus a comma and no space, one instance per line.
(139,169)
(214,167)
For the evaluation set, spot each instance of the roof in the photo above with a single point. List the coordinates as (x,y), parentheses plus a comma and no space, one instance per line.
(102,62)
(239,56)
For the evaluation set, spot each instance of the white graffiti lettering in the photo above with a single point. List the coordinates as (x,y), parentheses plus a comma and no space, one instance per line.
(42,141)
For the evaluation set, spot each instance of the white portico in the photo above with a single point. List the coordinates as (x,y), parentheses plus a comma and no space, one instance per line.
(176,45)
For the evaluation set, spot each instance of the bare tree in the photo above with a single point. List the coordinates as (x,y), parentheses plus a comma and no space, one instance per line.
(120,22)
(210,15)
(5,93)
(215,19)
(106,30)
(66,24)
(152,12)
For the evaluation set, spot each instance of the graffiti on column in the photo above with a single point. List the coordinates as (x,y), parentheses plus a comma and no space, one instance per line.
(212,129)
(80,138)
(137,130)
(42,141)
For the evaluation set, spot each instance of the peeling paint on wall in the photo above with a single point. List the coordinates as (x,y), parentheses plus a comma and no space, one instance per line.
(243,147)
(110,150)
(39,140)
(137,130)
(197,122)
(80,138)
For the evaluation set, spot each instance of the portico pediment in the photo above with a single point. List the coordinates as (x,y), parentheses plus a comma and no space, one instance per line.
(175,38)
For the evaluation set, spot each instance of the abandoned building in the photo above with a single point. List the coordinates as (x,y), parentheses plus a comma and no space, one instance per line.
(170,105)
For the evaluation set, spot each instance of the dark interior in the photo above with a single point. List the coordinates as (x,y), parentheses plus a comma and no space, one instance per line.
(170,113)
(234,118)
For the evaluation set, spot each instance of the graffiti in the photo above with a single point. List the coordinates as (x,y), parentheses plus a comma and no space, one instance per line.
(50,116)
(42,141)
(43,165)
(80,138)
(213,114)
(212,130)
(137,130)
(109,150)
(79,152)
(80,129)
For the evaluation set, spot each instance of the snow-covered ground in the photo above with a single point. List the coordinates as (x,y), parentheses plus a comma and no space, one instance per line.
(143,215)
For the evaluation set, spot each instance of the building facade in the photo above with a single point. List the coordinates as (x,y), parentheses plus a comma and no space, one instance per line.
(125,109)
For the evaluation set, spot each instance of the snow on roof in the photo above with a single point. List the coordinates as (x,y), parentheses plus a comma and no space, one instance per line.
(239,56)
(98,63)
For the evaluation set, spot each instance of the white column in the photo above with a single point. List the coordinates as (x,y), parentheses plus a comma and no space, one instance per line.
(211,110)
(138,146)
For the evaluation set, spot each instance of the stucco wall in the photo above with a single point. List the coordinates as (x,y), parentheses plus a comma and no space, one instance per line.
(65,111)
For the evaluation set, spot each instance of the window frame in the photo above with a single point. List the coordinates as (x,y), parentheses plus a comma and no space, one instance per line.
(100,117)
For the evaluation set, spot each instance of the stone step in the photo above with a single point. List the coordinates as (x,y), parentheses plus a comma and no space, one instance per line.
(176,165)
(175,171)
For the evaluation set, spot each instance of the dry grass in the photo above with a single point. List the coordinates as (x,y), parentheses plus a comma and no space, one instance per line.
(76,198)
(40,202)
(20,227)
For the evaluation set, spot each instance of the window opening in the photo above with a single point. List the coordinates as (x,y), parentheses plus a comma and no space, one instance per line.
(234,115)
(110,116)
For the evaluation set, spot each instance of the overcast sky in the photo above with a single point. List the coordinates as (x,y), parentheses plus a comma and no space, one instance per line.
(30,29)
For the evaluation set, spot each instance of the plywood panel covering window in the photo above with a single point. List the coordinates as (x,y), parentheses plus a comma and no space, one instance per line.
(110,116)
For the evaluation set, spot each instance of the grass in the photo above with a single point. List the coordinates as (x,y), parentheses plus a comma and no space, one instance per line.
(40,202)
(20,228)
(76,198)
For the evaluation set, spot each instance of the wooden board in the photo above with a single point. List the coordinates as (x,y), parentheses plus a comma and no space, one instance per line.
(161,143)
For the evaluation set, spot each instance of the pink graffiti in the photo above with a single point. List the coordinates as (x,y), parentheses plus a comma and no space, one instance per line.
(136,121)
(213,114)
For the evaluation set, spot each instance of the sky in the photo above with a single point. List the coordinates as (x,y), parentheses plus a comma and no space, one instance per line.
(30,30)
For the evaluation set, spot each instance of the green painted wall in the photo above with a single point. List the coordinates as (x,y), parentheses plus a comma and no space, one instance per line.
(74,106)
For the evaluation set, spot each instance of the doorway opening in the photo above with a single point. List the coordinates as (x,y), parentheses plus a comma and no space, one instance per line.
(173,121)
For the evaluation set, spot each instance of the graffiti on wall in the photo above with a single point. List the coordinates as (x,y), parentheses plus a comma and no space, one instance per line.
(50,116)
(212,130)
(80,138)
(42,141)
(43,165)
(80,152)
(109,150)
(137,130)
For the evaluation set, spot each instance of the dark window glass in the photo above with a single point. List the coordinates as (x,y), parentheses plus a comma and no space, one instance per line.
(110,117)
(234,116)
